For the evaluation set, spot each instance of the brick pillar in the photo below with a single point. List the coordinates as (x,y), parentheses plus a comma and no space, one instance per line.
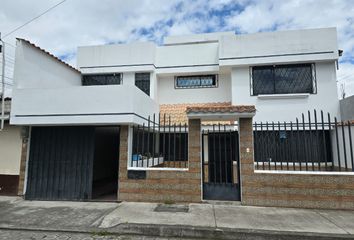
(123,156)
(194,154)
(246,153)
(23,160)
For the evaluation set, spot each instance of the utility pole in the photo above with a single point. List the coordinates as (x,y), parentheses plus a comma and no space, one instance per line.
(2,50)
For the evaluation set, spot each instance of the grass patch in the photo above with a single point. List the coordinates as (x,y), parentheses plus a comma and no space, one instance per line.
(102,233)
(168,202)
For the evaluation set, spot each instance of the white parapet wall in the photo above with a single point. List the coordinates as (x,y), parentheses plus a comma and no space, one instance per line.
(109,104)
(47,91)
(35,68)
(279,47)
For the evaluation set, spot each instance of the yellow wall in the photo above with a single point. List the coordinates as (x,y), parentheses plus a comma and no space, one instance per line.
(10,150)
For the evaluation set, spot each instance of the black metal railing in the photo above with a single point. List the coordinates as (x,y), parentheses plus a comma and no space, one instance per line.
(313,143)
(159,143)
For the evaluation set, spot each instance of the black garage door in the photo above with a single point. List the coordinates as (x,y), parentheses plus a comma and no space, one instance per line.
(60,163)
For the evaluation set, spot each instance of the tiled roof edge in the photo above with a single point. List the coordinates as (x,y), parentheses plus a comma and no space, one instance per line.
(49,54)
(223,109)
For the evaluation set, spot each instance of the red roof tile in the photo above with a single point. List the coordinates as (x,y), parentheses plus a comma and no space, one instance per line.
(178,115)
(222,109)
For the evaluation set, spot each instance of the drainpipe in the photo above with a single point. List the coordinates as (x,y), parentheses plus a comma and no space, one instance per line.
(2,85)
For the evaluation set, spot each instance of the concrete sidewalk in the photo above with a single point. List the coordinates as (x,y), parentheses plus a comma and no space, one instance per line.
(222,221)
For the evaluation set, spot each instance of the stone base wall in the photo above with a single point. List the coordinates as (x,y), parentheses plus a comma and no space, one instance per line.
(8,185)
(324,191)
(299,190)
(163,185)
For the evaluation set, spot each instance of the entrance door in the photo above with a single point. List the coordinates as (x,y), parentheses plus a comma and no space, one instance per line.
(60,163)
(221,178)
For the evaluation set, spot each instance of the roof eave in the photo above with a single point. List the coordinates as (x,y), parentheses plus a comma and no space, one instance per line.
(217,116)
(49,54)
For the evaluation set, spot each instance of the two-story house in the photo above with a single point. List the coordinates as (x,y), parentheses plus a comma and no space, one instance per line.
(74,115)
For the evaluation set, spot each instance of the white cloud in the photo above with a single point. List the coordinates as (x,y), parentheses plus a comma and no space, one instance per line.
(89,22)
(345,78)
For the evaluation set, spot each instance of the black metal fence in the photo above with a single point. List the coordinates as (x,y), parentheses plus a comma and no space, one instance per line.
(313,143)
(159,143)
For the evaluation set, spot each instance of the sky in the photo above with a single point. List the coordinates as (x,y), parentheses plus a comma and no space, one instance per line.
(91,22)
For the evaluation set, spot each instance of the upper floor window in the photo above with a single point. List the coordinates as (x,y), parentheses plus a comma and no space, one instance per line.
(142,81)
(102,79)
(283,79)
(200,81)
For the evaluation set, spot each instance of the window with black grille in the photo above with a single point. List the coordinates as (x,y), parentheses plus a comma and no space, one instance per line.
(142,81)
(102,79)
(283,79)
(200,81)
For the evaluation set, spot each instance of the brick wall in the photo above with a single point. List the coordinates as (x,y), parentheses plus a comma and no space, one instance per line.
(23,160)
(290,190)
(163,185)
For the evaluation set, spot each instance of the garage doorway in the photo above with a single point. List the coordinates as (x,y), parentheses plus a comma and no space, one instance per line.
(73,163)
(60,163)
(105,164)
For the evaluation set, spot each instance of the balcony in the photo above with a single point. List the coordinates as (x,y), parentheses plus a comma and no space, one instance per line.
(81,105)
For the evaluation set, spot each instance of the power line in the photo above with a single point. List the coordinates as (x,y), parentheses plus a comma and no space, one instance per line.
(7,61)
(9,83)
(7,77)
(10,44)
(8,65)
(345,77)
(28,22)
(9,57)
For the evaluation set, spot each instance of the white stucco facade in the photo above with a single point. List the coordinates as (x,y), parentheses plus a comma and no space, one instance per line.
(288,107)
(226,55)
(52,94)
(168,94)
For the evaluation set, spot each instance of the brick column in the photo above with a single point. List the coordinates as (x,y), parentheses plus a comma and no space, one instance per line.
(194,156)
(194,145)
(246,153)
(123,156)
(23,160)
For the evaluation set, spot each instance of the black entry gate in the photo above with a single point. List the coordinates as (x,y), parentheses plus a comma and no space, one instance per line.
(60,163)
(220,158)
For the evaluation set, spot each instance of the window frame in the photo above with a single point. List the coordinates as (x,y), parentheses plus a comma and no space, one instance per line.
(135,81)
(313,78)
(102,74)
(214,76)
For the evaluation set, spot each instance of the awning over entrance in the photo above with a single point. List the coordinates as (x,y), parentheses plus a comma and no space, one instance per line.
(215,113)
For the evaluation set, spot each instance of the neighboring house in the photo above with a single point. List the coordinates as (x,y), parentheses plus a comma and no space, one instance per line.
(10,154)
(79,118)
(347,108)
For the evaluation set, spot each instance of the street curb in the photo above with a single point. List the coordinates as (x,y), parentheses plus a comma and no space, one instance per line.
(192,232)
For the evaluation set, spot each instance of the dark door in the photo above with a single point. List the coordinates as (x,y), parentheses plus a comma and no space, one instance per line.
(60,163)
(221,166)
